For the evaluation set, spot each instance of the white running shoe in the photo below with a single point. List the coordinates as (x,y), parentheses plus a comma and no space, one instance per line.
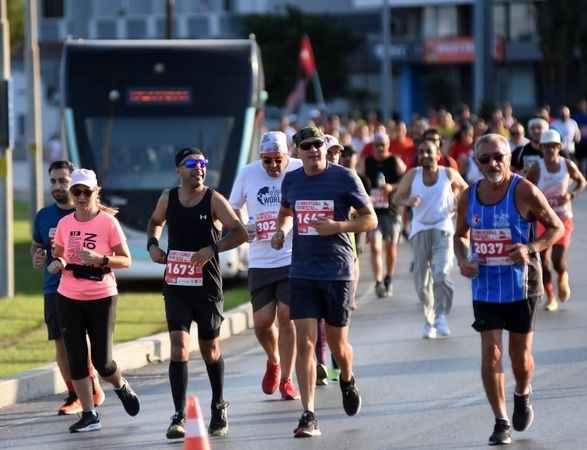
(429,331)
(441,326)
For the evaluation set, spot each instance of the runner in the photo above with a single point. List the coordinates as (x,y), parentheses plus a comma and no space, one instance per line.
(43,233)
(88,244)
(195,215)
(499,213)
(432,134)
(431,191)
(258,187)
(524,157)
(552,175)
(320,196)
(384,171)
(333,148)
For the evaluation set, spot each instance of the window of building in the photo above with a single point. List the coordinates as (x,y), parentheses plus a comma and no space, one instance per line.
(440,21)
(140,7)
(500,20)
(53,9)
(522,22)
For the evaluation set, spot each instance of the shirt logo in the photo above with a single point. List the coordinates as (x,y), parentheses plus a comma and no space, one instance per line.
(203,216)
(269,196)
(476,220)
(501,219)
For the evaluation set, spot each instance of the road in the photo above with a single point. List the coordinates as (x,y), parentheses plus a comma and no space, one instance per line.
(417,394)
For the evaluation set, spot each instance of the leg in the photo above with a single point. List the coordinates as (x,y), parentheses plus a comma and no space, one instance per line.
(266,331)
(320,346)
(522,360)
(178,367)
(492,371)
(559,262)
(61,359)
(391,256)
(306,330)
(545,257)
(341,348)
(287,340)
(210,350)
(376,263)
(442,258)
(422,275)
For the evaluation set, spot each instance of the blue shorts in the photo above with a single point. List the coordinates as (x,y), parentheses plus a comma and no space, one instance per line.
(321,299)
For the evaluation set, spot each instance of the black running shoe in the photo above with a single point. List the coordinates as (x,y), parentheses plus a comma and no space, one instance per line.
(379,289)
(523,412)
(89,421)
(388,286)
(502,433)
(307,426)
(176,429)
(351,399)
(219,419)
(129,399)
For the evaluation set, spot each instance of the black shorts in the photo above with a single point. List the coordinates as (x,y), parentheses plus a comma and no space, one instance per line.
(181,311)
(517,317)
(321,299)
(389,225)
(51,317)
(268,285)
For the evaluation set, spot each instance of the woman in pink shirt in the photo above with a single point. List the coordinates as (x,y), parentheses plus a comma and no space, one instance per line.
(89,243)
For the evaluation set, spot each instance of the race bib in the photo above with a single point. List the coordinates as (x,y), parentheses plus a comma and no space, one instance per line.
(266,224)
(309,210)
(492,247)
(180,271)
(380,198)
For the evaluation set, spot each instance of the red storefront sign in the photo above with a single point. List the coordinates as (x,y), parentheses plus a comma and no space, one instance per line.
(454,50)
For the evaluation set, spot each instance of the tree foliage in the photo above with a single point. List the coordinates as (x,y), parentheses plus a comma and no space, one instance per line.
(16,21)
(279,37)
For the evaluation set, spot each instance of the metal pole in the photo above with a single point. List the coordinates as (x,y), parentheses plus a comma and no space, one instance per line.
(318,91)
(484,43)
(169,12)
(6,187)
(34,132)
(385,63)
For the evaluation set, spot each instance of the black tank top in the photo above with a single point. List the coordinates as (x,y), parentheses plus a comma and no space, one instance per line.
(191,229)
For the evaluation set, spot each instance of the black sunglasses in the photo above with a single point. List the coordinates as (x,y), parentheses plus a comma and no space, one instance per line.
(486,159)
(76,192)
(268,161)
(308,145)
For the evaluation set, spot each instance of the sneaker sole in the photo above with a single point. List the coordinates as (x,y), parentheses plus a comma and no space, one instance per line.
(219,433)
(175,435)
(505,442)
(92,427)
(530,422)
(354,413)
(307,434)
(69,413)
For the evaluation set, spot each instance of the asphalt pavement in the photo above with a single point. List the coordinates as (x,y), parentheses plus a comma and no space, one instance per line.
(417,394)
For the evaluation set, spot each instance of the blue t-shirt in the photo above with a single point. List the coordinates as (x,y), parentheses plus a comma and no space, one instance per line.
(43,233)
(330,194)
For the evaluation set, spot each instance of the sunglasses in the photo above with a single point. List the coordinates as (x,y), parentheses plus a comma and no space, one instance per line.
(486,159)
(317,144)
(268,161)
(193,163)
(76,192)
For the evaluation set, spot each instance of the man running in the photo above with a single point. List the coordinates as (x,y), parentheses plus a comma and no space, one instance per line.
(384,171)
(495,224)
(319,195)
(431,190)
(333,148)
(258,187)
(553,175)
(41,250)
(524,157)
(195,215)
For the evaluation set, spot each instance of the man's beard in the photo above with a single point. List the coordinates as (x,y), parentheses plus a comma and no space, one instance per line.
(61,197)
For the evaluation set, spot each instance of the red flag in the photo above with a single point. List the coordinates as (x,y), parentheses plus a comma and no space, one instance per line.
(306,58)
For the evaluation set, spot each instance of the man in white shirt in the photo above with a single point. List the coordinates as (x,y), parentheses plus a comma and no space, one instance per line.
(258,187)
(569,131)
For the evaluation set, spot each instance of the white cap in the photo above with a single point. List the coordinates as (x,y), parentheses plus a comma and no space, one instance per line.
(85,177)
(330,141)
(538,121)
(380,138)
(550,137)
(274,142)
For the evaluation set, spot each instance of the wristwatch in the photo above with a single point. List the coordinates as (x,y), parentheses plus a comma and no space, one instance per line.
(105,260)
(531,249)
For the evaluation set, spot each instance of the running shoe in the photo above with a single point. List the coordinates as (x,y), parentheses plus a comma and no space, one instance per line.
(441,326)
(270,381)
(379,289)
(351,399)
(288,390)
(219,419)
(89,421)
(551,305)
(321,375)
(71,405)
(502,433)
(307,426)
(98,393)
(388,285)
(523,412)
(176,429)
(429,332)
(564,290)
(129,399)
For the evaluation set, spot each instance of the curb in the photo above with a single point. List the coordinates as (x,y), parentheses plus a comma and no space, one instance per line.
(46,380)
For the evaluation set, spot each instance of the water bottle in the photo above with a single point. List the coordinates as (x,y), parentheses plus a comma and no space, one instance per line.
(251,229)
(381,180)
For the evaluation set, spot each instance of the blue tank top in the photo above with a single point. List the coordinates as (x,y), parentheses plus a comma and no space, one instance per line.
(494,228)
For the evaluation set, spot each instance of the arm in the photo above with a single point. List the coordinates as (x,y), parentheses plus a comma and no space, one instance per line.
(577,177)
(155,227)
(38,254)
(457,184)
(401,171)
(58,264)
(402,193)
(462,239)
(533,174)
(284,226)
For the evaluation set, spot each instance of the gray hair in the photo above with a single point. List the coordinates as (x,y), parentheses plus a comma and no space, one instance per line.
(493,138)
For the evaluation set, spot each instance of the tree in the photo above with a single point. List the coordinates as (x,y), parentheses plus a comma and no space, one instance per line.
(16,22)
(279,37)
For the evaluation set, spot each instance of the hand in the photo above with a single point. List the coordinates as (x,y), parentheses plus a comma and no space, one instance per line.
(519,253)
(251,231)
(414,201)
(39,258)
(56,266)
(325,226)
(277,240)
(90,257)
(469,269)
(157,255)
(202,256)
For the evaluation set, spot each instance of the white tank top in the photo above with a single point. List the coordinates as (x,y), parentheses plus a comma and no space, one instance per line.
(554,185)
(473,173)
(436,209)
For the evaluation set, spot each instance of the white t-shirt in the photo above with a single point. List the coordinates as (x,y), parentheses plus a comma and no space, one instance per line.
(568,129)
(262,196)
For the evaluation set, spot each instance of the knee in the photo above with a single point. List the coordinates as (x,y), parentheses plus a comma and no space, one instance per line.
(179,350)
(305,346)
(492,357)
(285,323)
(262,323)
(210,351)
(522,362)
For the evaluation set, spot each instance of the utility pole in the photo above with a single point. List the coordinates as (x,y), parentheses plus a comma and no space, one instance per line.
(6,187)
(33,133)
(169,13)
(385,63)
(484,47)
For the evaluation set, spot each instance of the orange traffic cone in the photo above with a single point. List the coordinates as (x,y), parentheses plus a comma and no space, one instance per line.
(196,435)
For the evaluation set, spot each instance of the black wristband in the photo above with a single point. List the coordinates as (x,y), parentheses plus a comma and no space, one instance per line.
(105,261)
(152,241)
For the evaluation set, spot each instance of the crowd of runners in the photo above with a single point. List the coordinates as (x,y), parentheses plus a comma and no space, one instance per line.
(479,191)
